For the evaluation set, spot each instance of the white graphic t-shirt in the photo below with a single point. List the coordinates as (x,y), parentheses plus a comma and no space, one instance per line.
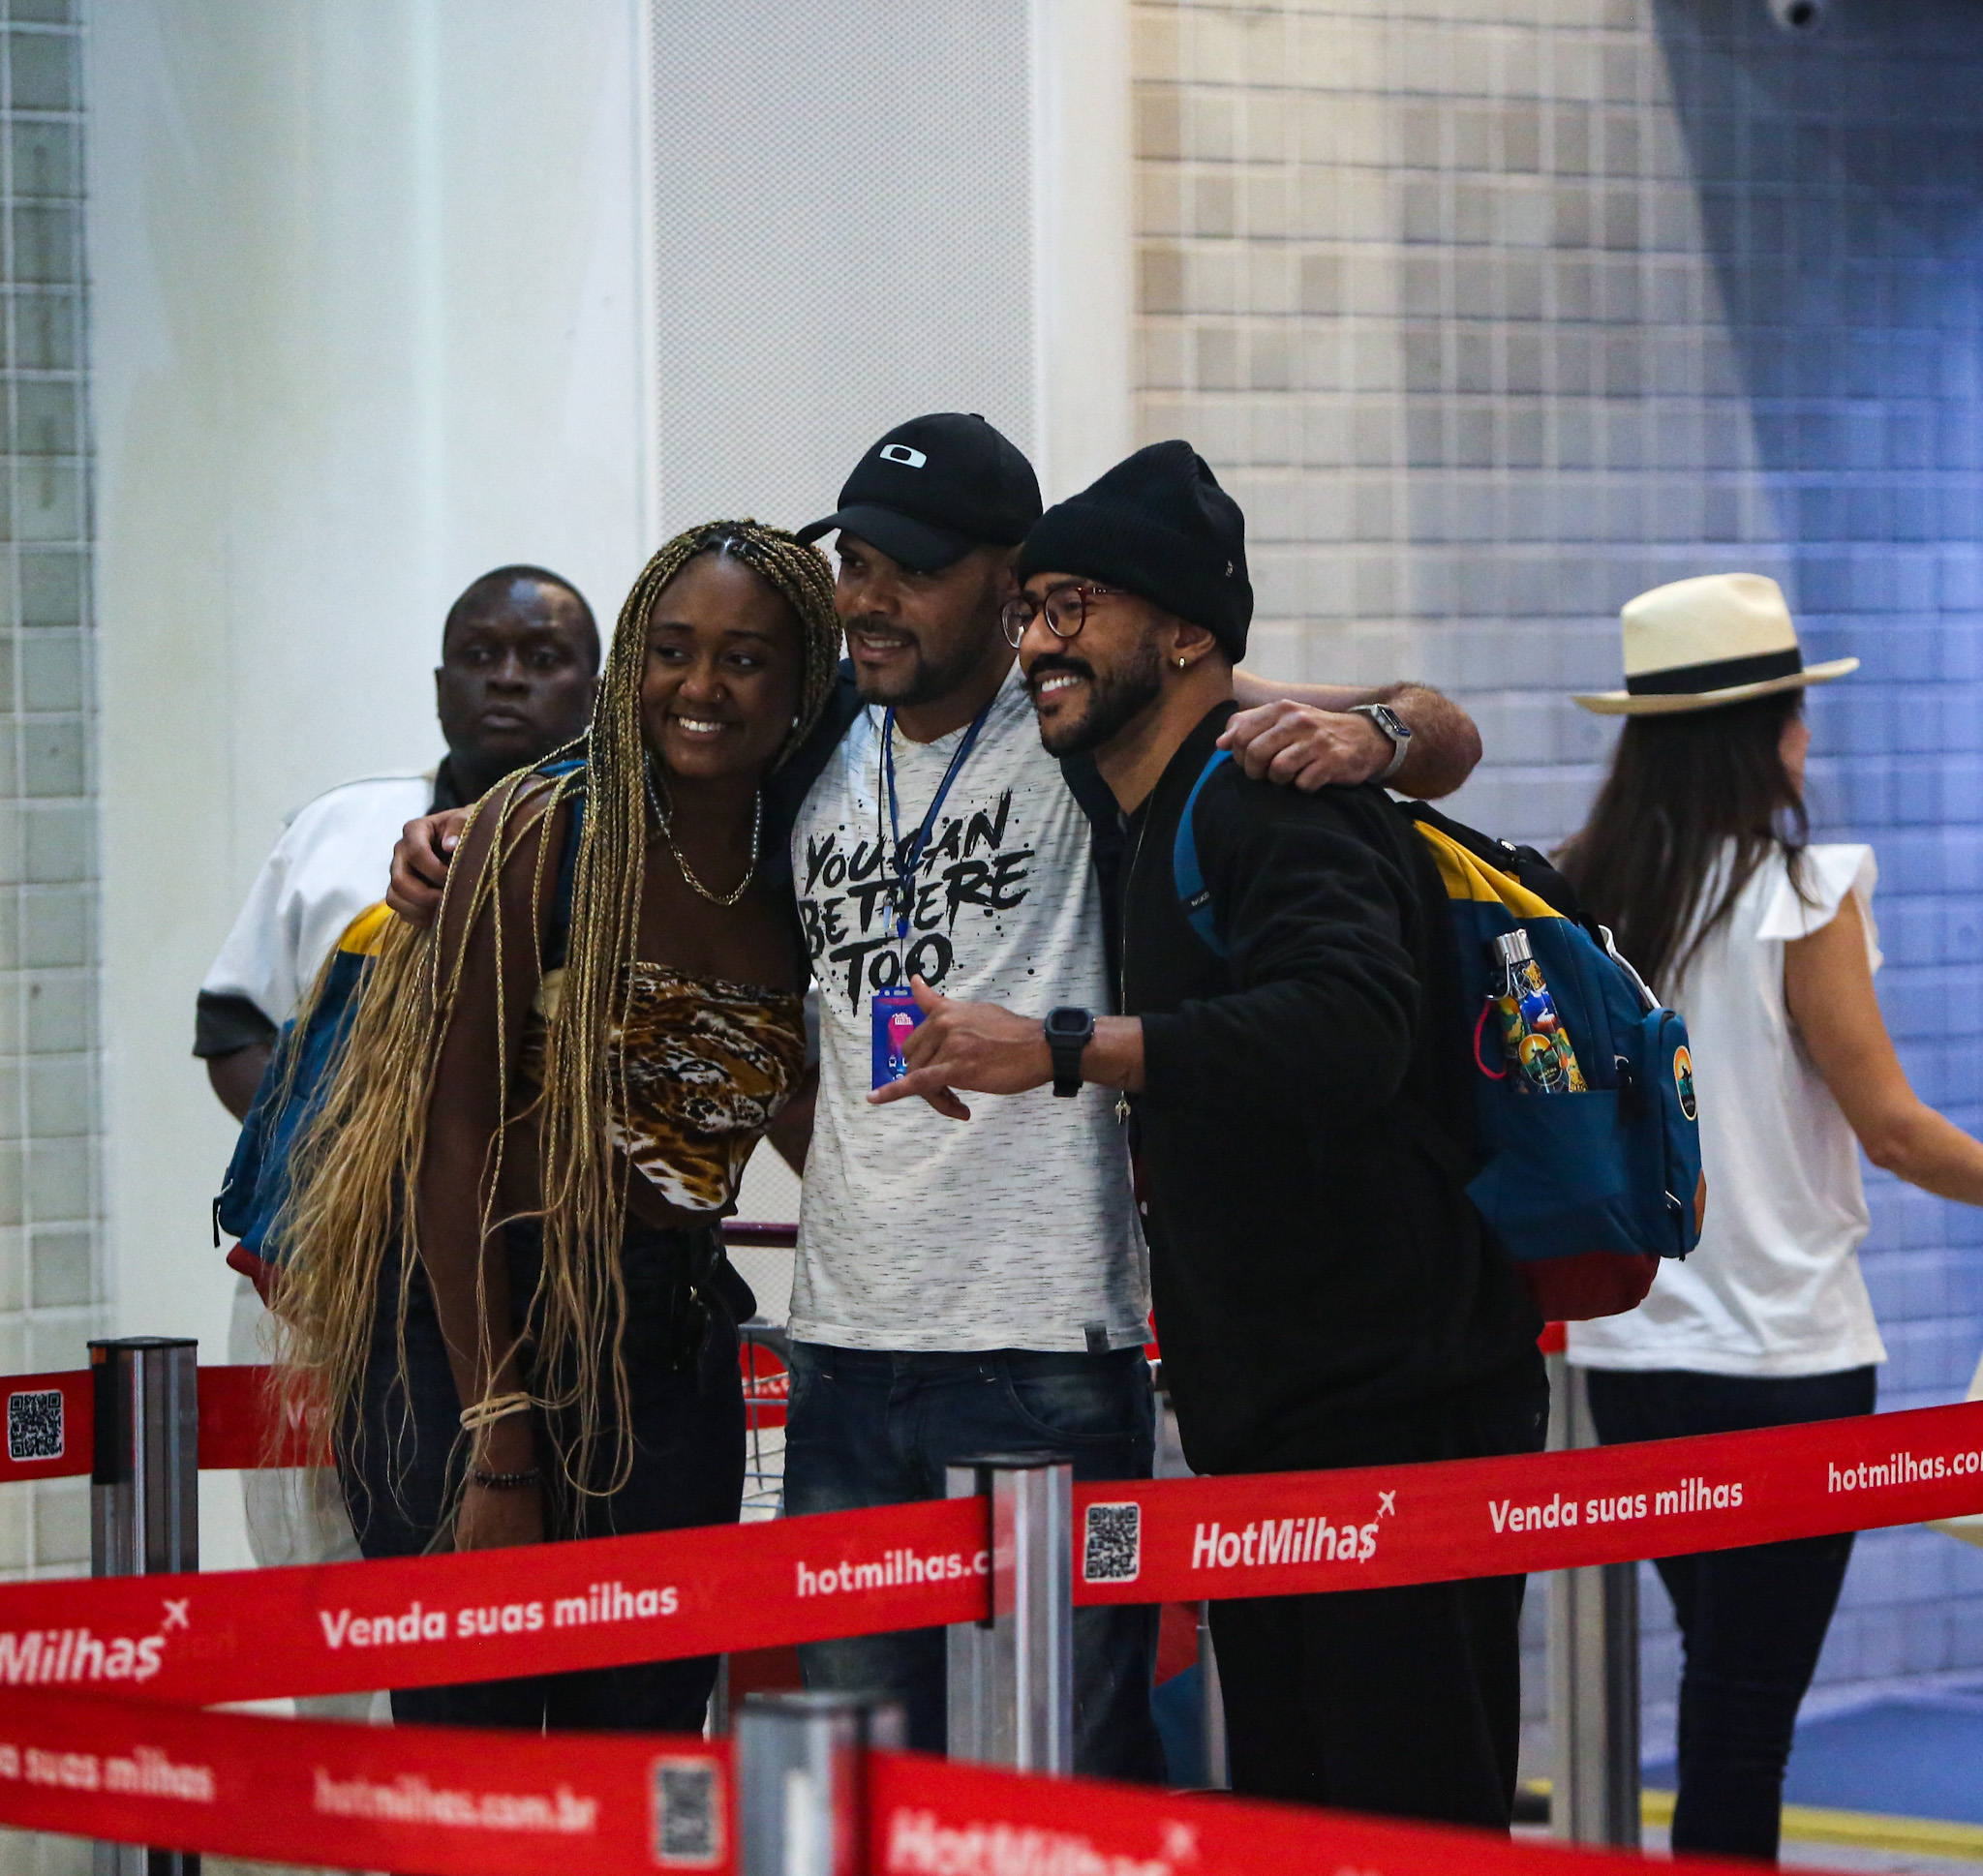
(1014,1229)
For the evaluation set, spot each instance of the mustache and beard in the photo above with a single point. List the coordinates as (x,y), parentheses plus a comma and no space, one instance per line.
(930,680)
(1114,698)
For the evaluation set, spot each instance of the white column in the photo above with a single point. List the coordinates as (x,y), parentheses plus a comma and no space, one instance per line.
(366,284)
(1083,297)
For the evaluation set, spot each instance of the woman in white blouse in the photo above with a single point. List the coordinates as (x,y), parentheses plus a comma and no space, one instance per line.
(1696,855)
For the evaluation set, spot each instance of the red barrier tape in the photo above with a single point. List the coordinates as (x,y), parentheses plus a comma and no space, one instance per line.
(927,1818)
(428,1621)
(462,1803)
(1283,1534)
(425,1620)
(51,1424)
(236,1406)
(441,1800)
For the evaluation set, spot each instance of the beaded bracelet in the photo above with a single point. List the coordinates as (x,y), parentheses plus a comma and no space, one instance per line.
(506,1481)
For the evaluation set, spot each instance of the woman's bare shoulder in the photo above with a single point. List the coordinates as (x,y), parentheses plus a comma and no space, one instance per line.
(518,831)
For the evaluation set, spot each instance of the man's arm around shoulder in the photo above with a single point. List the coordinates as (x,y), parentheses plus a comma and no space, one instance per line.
(1305,735)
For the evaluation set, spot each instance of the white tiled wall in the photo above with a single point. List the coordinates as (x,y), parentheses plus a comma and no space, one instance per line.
(50,1280)
(50,1268)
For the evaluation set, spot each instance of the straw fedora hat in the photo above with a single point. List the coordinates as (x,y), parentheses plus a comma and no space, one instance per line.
(1697,644)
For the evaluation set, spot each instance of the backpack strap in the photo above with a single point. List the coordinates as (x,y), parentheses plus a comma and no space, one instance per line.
(1528,869)
(1193,893)
(1453,1157)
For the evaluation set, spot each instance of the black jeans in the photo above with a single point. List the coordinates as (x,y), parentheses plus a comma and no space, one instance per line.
(1752,1621)
(402,1475)
(1403,1703)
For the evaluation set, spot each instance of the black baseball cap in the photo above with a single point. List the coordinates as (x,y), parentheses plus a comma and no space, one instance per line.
(934,488)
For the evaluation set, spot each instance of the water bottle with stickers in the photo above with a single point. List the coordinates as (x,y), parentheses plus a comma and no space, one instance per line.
(1540,1057)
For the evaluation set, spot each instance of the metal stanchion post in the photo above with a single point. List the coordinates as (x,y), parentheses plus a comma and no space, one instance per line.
(720,1700)
(1011,1678)
(1211,1706)
(1593,1668)
(801,1781)
(144,1498)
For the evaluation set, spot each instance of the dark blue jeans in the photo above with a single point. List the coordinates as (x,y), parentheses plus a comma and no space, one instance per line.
(402,1477)
(1752,1621)
(871,1428)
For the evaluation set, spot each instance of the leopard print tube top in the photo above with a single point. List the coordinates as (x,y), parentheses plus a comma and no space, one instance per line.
(707,1064)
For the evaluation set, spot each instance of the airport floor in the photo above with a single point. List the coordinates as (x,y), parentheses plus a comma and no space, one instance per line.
(1888,1786)
(1916,1753)
(1889,1783)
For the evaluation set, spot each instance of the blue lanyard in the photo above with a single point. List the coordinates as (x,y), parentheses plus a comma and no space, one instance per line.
(905,868)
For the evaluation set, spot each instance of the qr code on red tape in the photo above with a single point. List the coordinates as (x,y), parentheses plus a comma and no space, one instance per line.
(34,1425)
(687,1813)
(1111,1546)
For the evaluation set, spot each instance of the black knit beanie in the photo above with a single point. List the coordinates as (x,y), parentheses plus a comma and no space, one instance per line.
(1157,524)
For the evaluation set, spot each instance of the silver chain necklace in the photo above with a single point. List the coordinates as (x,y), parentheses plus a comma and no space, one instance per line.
(667,826)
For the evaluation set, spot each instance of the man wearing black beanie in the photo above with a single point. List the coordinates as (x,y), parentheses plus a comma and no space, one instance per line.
(1326,1295)
(1159,525)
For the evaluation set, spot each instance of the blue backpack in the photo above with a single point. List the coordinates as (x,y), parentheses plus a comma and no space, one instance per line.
(256,1186)
(1586,1191)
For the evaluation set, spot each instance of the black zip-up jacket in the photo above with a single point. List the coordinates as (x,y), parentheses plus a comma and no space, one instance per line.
(1321,1278)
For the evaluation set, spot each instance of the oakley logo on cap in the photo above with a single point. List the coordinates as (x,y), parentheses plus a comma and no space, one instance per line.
(902,453)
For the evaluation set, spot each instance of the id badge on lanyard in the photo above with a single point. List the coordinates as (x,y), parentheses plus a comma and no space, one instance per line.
(893,1014)
(894,1017)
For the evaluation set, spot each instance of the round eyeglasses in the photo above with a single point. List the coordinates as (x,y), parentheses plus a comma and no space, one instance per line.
(1065,610)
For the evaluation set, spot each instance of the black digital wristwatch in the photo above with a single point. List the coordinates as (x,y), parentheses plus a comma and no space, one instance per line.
(1069,1031)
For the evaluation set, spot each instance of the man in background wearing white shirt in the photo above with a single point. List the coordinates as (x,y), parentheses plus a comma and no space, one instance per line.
(519,662)
(519,659)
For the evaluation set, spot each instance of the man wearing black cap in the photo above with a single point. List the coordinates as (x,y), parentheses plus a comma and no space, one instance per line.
(965,1290)
(951,1294)
(1325,1294)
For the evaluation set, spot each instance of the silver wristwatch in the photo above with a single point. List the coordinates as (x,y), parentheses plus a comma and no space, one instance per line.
(1395,728)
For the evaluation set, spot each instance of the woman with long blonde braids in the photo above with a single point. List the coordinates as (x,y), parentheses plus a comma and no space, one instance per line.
(506,1282)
